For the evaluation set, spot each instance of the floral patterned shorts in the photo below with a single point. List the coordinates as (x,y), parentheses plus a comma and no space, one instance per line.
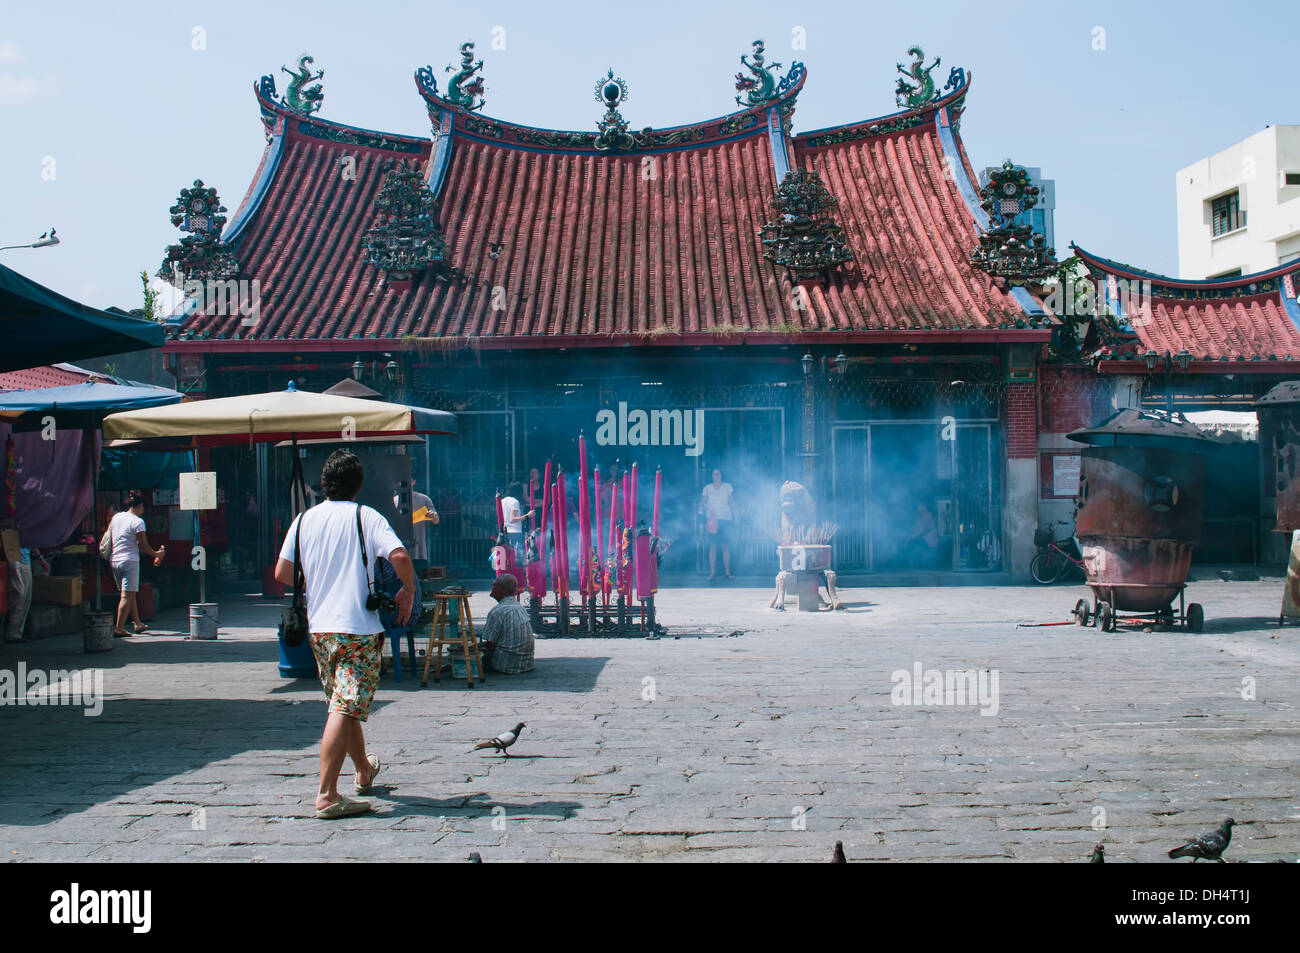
(349,670)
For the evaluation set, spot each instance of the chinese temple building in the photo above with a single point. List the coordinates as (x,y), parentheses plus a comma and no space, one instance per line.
(843,307)
(1198,347)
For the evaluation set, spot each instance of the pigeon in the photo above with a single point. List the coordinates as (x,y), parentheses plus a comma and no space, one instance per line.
(838,857)
(502,741)
(1098,855)
(1208,846)
(474,858)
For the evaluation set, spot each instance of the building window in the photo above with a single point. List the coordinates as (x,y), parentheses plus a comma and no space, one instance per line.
(1226,213)
(1293,178)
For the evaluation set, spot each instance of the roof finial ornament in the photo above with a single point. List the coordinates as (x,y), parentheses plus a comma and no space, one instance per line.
(458,92)
(803,237)
(200,255)
(300,97)
(612,91)
(762,86)
(406,236)
(920,91)
(1010,250)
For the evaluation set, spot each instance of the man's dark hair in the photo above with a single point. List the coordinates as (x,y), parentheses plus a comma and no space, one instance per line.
(515,490)
(341,476)
(508,583)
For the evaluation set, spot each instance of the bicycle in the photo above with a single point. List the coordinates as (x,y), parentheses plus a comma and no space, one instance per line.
(1054,558)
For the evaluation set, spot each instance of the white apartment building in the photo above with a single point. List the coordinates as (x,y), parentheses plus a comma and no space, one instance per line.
(1239,210)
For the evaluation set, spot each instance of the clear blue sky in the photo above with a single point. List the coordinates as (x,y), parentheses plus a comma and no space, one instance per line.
(130,111)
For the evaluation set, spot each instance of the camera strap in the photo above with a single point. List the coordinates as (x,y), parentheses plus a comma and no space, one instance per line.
(365,563)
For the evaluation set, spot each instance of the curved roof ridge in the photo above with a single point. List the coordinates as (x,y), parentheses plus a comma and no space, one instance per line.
(901,120)
(750,120)
(370,138)
(1122,270)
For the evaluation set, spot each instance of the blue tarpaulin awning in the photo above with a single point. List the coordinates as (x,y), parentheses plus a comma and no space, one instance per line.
(40,326)
(77,406)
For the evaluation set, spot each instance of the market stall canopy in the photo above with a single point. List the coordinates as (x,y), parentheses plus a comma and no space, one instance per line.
(77,406)
(273,417)
(40,326)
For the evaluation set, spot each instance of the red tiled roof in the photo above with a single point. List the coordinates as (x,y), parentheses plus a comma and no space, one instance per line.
(57,375)
(596,248)
(1246,318)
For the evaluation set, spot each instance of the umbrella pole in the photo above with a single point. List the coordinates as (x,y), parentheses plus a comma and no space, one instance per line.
(203,571)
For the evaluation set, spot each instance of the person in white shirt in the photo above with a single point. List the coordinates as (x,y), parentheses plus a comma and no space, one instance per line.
(127,531)
(718,506)
(513,515)
(419,530)
(346,636)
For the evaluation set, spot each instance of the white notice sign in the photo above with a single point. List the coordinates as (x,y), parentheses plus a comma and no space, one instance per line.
(1065,475)
(198,491)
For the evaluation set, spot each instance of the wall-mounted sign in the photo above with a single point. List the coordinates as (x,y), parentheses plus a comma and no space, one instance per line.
(1060,476)
(198,491)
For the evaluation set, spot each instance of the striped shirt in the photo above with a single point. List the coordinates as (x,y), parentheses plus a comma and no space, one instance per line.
(507,625)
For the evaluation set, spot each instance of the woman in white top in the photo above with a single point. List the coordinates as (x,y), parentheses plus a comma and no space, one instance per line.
(718,507)
(127,531)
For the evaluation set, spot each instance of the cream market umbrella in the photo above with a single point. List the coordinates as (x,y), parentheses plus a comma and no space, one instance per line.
(270,418)
(289,414)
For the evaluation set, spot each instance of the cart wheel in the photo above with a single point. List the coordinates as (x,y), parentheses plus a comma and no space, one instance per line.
(1082,612)
(1106,618)
(1195,619)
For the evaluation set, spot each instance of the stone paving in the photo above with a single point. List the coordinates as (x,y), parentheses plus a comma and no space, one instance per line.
(770,744)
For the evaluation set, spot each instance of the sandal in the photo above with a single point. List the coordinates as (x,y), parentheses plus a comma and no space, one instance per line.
(119,634)
(343,807)
(139,627)
(373,761)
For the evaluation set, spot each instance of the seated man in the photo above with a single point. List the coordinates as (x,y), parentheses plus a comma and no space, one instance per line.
(507,633)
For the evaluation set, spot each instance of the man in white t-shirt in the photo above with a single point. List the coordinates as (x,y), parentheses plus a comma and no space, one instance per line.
(346,637)
(718,506)
(127,530)
(513,516)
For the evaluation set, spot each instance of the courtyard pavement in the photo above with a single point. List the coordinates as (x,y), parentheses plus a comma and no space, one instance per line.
(755,735)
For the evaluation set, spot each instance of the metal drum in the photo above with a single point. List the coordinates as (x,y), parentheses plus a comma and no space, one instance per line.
(1139,520)
(1141,491)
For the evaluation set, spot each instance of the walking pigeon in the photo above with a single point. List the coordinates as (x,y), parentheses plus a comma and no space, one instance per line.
(1208,846)
(838,857)
(1098,855)
(502,741)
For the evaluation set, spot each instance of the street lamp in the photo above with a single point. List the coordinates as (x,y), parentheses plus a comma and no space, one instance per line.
(46,240)
(1184,359)
(842,363)
(357,368)
(808,362)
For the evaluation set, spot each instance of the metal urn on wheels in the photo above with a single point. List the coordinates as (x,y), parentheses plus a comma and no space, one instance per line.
(1141,490)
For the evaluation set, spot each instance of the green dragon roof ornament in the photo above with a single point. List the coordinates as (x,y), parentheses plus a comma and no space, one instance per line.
(458,93)
(762,86)
(920,91)
(300,97)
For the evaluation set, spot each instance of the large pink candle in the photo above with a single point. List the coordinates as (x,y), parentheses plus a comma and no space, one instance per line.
(659,477)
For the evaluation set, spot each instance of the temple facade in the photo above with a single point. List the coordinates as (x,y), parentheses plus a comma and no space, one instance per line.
(845,307)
